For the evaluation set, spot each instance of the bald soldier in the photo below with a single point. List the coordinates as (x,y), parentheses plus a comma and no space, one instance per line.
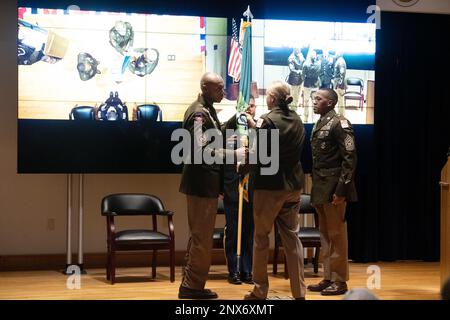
(201,183)
(334,164)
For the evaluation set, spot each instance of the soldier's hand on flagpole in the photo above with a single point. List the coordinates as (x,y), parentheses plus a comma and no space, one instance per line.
(250,122)
(232,139)
(241,154)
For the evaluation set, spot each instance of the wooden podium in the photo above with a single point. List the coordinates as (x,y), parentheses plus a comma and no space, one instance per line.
(445,222)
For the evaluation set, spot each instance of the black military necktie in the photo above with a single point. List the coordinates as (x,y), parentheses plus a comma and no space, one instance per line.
(213,113)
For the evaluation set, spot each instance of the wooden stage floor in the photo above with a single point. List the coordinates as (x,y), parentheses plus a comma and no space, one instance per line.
(399,281)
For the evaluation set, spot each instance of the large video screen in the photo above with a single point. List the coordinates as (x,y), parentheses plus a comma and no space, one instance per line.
(104,65)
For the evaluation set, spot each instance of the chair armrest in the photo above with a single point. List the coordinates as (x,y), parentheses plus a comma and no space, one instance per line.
(109,213)
(165,213)
(110,228)
(171,227)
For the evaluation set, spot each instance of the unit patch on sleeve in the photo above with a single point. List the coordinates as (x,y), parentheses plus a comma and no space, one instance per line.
(349,143)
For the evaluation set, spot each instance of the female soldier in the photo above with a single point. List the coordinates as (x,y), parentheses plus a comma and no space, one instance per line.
(277,196)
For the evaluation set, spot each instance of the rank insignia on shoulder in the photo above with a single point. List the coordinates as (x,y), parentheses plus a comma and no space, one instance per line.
(344,124)
(259,122)
(198,117)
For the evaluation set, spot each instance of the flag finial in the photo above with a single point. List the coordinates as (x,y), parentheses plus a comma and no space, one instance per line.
(248,14)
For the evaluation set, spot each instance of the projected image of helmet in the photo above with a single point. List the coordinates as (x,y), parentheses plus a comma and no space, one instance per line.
(87,66)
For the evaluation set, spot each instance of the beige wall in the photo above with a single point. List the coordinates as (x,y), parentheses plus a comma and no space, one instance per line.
(31,203)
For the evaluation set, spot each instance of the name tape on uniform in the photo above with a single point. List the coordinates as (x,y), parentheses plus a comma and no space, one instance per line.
(259,122)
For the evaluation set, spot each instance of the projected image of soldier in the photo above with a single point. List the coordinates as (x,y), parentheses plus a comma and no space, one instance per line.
(32,45)
(121,36)
(340,69)
(113,109)
(295,78)
(311,81)
(326,70)
(145,63)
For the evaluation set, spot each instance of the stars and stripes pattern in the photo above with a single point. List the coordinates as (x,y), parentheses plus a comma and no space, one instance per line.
(202,35)
(234,64)
(36,11)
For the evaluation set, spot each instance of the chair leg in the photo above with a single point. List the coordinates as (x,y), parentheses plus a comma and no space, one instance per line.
(316,260)
(172,264)
(286,273)
(275,259)
(108,265)
(113,267)
(154,264)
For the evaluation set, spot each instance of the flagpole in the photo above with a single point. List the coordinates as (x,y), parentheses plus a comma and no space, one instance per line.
(242,178)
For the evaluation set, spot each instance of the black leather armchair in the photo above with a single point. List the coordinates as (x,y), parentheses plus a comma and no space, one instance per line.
(354,90)
(82,113)
(126,204)
(149,112)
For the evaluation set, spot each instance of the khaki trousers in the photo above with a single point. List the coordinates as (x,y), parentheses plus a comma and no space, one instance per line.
(282,207)
(295,93)
(333,238)
(201,220)
(307,102)
(341,103)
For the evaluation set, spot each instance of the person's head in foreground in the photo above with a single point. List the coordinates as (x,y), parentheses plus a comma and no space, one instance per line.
(360,294)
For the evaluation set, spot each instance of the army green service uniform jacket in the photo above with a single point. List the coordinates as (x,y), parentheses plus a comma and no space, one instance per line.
(334,159)
(290,175)
(201,180)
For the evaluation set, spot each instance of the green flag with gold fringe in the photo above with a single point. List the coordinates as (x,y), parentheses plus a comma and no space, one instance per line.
(246,79)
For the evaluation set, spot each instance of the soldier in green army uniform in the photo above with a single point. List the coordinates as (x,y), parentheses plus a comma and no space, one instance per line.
(276,197)
(202,184)
(121,36)
(334,163)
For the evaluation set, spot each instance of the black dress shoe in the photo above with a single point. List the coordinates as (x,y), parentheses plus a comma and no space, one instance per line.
(320,286)
(252,296)
(188,293)
(234,278)
(336,288)
(247,278)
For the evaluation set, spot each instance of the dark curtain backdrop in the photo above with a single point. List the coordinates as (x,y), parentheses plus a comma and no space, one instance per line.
(399,212)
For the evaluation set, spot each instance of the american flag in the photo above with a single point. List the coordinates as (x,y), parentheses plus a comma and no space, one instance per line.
(234,64)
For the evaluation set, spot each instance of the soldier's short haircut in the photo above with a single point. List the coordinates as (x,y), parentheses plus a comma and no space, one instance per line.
(209,77)
(332,95)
